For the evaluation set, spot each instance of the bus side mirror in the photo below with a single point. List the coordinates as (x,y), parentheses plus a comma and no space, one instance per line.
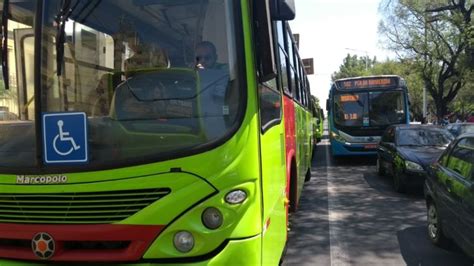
(327,105)
(264,37)
(283,9)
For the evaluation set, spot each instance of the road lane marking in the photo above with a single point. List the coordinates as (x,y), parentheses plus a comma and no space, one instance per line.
(336,246)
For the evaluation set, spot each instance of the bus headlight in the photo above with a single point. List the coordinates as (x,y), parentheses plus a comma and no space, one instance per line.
(183,241)
(235,196)
(212,218)
(337,137)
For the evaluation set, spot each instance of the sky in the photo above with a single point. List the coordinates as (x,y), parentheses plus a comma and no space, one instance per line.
(329,30)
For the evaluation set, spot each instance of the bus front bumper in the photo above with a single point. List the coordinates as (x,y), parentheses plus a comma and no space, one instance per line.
(235,252)
(350,149)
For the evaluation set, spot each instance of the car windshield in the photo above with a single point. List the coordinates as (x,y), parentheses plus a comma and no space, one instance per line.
(423,137)
(153,77)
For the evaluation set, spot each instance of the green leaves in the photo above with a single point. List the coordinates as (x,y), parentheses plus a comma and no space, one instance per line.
(436,37)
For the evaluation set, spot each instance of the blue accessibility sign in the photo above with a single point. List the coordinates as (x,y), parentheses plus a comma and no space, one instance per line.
(65,138)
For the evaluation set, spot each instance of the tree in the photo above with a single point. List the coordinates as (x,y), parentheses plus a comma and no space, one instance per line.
(435,36)
(463,104)
(353,66)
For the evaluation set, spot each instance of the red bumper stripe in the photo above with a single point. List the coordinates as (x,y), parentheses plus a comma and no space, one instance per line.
(139,238)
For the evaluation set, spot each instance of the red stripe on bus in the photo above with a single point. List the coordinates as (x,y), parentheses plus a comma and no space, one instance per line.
(80,243)
(290,141)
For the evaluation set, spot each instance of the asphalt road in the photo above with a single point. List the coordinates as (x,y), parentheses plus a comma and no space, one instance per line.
(350,216)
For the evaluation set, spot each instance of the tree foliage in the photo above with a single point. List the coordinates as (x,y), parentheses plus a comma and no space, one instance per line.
(437,37)
(354,66)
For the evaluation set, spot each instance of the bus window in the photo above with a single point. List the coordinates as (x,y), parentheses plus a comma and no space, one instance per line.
(17,125)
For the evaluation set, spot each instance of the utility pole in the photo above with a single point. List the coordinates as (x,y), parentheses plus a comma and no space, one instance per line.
(424,103)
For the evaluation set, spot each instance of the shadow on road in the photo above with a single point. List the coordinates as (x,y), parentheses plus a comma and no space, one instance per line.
(384,185)
(349,208)
(308,242)
(354,161)
(417,250)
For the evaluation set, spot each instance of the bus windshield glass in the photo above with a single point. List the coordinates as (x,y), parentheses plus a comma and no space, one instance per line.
(155,78)
(386,108)
(350,108)
(369,109)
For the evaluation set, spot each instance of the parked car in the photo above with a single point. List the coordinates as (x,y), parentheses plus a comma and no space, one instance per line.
(405,151)
(7,116)
(449,194)
(460,128)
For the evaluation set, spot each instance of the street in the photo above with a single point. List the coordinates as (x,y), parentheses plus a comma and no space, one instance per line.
(348,215)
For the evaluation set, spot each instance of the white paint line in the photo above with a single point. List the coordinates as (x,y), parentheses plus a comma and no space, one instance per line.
(337,247)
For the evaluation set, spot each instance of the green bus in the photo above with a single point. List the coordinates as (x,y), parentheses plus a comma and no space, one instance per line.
(149,132)
(318,120)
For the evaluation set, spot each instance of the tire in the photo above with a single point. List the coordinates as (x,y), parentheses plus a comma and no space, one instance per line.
(435,231)
(308,176)
(380,169)
(293,189)
(398,181)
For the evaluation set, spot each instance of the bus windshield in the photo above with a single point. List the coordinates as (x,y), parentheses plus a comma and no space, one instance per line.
(369,109)
(153,77)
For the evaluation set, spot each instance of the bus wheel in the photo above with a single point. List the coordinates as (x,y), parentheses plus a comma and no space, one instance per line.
(293,188)
(308,176)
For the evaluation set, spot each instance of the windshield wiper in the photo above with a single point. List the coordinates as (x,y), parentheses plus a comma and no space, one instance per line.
(61,19)
(6,7)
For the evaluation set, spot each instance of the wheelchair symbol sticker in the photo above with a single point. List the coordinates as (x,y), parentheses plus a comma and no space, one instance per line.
(65,138)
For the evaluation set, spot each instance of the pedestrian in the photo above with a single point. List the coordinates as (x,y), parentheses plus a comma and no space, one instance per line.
(445,121)
(458,120)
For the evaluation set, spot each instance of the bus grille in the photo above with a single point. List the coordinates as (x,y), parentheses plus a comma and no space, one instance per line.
(76,208)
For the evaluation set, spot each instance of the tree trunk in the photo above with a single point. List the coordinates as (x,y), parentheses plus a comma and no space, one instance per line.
(441,108)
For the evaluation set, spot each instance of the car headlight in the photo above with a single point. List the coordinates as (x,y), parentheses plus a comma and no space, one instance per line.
(413,166)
